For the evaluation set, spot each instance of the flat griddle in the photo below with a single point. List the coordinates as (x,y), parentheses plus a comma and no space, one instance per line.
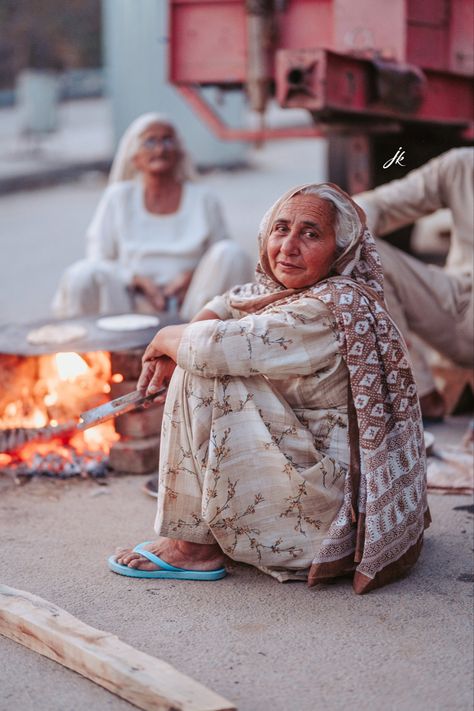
(13,337)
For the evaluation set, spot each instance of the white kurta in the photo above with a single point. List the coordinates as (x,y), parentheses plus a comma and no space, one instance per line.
(158,246)
(124,240)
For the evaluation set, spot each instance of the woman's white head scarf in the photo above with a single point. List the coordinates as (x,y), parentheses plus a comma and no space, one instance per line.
(123,166)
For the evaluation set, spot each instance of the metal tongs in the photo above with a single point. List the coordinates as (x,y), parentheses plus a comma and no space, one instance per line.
(116,407)
(14,438)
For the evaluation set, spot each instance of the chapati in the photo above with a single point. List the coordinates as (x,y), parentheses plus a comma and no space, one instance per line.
(56,333)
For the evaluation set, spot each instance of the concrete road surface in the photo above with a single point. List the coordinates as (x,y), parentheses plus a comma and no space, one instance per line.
(263,645)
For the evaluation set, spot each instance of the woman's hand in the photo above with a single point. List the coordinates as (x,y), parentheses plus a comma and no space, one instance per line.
(153,292)
(155,374)
(159,359)
(178,286)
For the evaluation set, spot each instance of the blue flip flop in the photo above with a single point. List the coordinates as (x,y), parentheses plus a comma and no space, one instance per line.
(167,570)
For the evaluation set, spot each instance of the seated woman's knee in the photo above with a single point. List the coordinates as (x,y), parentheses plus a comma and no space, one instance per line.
(85,273)
(226,249)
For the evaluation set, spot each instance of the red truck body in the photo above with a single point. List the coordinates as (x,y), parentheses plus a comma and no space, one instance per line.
(364,69)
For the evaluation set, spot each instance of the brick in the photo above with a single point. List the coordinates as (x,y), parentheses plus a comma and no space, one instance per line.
(139,456)
(140,423)
(127,363)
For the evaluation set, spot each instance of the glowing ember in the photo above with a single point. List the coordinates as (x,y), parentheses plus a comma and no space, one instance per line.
(39,419)
(60,388)
(117,378)
(5,460)
(50,399)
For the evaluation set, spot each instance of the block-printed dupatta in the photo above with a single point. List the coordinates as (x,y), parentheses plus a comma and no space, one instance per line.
(381,522)
(378,531)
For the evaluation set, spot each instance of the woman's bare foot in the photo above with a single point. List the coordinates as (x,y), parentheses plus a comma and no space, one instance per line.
(181,554)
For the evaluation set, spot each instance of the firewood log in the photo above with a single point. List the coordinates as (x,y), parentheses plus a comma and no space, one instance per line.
(145,681)
(13,439)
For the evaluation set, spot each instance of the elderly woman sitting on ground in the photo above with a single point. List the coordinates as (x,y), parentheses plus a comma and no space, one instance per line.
(292,436)
(157,237)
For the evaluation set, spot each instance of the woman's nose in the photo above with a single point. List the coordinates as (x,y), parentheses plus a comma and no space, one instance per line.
(290,243)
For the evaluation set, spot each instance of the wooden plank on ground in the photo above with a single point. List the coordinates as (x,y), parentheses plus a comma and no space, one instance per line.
(144,681)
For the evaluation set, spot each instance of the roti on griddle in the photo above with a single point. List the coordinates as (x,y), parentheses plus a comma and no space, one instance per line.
(56,333)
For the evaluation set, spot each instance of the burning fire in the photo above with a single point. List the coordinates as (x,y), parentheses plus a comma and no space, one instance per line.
(70,366)
(61,387)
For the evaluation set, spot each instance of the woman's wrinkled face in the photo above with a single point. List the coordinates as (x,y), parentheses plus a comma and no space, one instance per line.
(301,248)
(158,150)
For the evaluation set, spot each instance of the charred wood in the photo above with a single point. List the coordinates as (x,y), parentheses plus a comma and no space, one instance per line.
(13,439)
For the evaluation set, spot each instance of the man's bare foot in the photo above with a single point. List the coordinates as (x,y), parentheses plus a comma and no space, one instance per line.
(181,554)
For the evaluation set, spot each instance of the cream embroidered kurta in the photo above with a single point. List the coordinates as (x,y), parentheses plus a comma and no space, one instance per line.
(254,439)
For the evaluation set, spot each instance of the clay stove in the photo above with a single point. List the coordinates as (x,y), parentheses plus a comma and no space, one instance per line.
(43,389)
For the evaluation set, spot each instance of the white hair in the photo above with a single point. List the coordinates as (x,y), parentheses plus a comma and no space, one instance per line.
(346,222)
(123,166)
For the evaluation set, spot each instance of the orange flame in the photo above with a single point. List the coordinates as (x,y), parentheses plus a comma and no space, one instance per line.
(70,366)
(5,460)
(62,386)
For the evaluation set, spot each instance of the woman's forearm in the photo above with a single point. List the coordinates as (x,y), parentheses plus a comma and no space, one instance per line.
(205,315)
(168,339)
(277,345)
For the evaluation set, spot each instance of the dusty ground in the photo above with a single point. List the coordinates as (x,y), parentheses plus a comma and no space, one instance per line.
(263,645)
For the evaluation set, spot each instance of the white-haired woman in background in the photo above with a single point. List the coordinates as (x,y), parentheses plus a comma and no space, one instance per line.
(292,436)
(156,238)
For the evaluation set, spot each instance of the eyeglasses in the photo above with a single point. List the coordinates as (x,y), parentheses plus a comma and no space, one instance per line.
(153,142)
